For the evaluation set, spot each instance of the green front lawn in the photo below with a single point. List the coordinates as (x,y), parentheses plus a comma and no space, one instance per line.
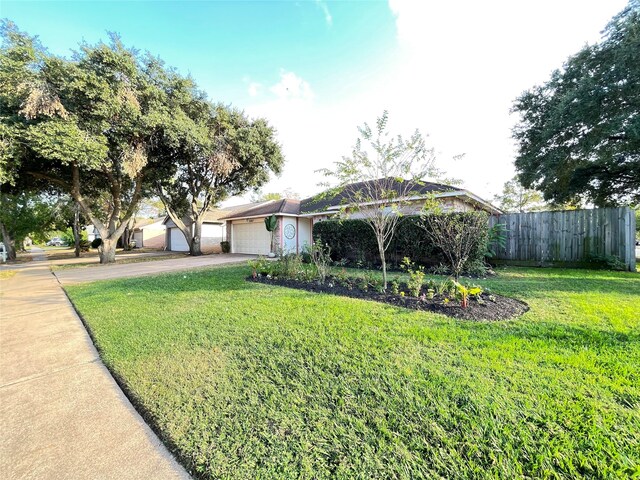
(244,380)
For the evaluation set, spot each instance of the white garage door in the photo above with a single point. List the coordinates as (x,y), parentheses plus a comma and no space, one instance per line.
(137,237)
(178,242)
(252,238)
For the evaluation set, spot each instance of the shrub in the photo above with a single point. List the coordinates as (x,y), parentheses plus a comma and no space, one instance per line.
(353,242)
(321,257)
(225,246)
(96,243)
(608,262)
(290,265)
(463,293)
(69,239)
(416,276)
(476,268)
(461,236)
(260,266)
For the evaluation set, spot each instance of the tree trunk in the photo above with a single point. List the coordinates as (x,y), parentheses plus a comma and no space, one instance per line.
(126,239)
(107,250)
(194,245)
(76,229)
(384,264)
(9,242)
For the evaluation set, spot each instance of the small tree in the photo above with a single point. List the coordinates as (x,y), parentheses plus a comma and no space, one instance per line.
(378,181)
(459,235)
(271,223)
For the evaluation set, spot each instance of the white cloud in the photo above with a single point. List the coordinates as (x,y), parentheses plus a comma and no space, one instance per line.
(462,64)
(325,9)
(292,86)
(254,89)
(457,69)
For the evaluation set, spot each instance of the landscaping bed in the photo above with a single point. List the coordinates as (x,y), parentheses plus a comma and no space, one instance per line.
(485,307)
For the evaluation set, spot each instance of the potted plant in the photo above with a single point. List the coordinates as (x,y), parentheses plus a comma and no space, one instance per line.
(271,223)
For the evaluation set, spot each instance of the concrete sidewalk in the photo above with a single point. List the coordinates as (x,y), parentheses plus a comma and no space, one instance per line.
(61,413)
(106,272)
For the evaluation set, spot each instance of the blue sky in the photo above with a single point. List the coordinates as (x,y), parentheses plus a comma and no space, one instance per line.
(224,45)
(318,69)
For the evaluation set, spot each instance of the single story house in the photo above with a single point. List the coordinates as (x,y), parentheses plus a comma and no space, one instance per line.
(214,231)
(149,233)
(92,232)
(246,232)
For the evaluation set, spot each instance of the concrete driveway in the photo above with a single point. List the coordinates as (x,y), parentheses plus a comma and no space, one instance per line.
(106,272)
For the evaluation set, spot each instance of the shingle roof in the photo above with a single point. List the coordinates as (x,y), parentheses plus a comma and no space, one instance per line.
(216,215)
(284,206)
(332,198)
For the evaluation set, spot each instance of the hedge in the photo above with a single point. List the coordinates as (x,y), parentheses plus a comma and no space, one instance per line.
(353,242)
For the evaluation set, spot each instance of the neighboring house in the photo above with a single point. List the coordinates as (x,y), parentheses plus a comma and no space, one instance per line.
(149,233)
(92,232)
(213,232)
(246,232)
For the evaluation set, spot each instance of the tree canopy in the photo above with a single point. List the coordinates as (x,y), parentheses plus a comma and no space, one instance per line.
(579,133)
(109,124)
(516,198)
(90,126)
(237,155)
(22,215)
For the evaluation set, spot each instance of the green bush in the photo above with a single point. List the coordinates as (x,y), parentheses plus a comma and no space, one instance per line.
(69,239)
(607,262)
(461,236)
(352,242)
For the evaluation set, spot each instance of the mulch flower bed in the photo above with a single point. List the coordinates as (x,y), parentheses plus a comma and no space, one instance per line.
(494,307)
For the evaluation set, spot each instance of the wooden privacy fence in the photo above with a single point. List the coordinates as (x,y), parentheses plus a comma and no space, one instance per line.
(571,238)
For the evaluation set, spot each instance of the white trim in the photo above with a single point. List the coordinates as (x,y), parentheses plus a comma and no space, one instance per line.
(315,214)
(264,215)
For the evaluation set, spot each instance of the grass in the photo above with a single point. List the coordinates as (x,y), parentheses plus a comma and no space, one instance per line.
(4,274)
(121,259)
(63,253)
(244,380)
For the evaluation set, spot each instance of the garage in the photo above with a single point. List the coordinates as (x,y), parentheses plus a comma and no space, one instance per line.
(137,237)
(251,238)
(177,241)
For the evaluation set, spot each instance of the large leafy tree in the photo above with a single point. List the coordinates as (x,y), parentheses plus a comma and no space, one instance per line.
(98,126)
(380,177)
(232,155)
(516,198)
(21,215)
(579,133)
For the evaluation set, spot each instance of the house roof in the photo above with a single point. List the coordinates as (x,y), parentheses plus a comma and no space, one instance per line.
(333,199)
(339,196)
(144,222)
(285,206)
(211,216)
